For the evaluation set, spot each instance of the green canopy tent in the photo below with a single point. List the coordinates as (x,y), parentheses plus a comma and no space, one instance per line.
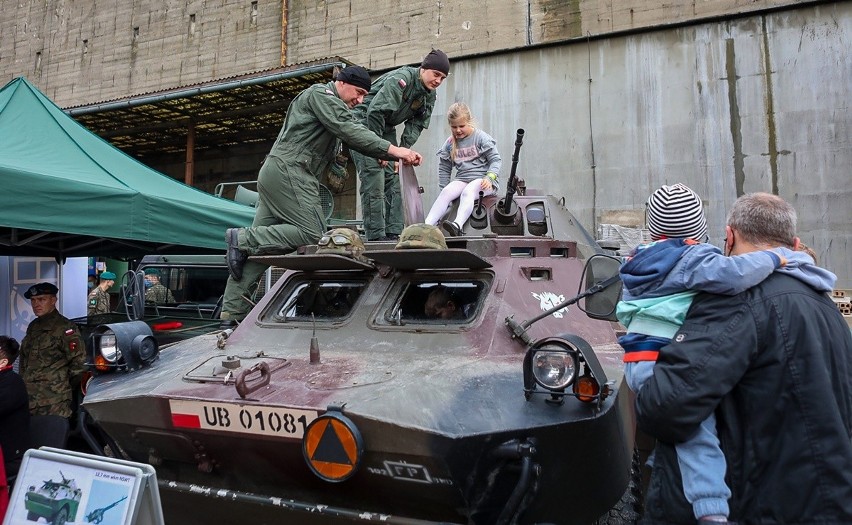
(66,192)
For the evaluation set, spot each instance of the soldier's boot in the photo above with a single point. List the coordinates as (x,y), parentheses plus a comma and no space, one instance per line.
(236,258)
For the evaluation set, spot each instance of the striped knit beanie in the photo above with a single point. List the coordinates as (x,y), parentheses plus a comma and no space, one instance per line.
(675,212)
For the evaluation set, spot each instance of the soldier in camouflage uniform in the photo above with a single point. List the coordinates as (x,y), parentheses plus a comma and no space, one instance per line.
(405,95)
(288,213)
(155,292)
(98,302)
(52,355)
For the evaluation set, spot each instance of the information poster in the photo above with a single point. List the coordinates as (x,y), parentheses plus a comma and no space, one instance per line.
(55,488)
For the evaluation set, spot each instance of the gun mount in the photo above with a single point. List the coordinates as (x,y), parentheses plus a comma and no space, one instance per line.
(507,211)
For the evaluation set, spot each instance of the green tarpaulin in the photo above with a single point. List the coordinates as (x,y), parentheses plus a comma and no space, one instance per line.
(66,192)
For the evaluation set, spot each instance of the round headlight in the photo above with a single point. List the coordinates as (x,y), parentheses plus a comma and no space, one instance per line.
(108,347)
(554,367)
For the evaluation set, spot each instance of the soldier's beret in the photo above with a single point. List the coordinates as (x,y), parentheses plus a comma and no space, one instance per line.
(41,289)
(108,276)
(152,271)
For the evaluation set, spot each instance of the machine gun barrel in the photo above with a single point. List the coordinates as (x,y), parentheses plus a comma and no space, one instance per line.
(512,184)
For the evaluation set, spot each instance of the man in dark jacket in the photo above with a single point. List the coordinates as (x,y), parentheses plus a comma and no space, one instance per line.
(775,365)
(14,409)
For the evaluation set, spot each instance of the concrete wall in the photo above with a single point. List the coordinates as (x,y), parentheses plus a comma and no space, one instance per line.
(393,32)
(753,104)
(85,51)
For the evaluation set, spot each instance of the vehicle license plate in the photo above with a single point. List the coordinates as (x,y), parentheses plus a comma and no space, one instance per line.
(242,419)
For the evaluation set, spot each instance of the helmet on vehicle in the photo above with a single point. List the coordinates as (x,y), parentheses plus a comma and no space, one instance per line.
(422,236)
(341,241)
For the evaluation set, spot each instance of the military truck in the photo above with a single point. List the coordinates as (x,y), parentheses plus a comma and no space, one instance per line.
(340,400)
(195,284)
(56,501)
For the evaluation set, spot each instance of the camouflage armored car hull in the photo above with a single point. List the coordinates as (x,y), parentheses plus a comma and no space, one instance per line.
(338,400)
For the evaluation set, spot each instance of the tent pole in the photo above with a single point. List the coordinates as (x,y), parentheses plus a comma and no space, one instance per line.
(190,154)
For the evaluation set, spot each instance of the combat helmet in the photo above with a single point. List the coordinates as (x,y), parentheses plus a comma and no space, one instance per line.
(341,241)
(422,236)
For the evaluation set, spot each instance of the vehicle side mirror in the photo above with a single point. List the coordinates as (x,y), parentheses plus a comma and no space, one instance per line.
(603,287)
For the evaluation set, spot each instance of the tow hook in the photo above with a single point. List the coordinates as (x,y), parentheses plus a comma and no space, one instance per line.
(523,451)
(242,384)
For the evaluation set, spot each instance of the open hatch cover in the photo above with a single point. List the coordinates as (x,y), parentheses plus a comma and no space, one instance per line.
(424,259)
(313,262)
(399,259)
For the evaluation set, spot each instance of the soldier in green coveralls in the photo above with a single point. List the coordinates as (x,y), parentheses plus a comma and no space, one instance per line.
(288,213)
(404,95)
(52,356)
(98,302)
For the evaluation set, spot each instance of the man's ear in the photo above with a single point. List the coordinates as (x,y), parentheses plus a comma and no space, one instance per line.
(729,240)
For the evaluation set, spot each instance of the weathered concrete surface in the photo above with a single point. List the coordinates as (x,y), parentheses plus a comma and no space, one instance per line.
(84,51)
(396,32)
(755,104)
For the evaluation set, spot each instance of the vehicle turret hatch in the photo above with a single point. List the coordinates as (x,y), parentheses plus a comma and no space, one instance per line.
(305,299)
(434,300)
(314,262)
(226,368)
(428,259)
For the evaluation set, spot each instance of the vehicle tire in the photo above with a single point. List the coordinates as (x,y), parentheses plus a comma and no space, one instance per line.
(60,517)
(628,510)
(32,516)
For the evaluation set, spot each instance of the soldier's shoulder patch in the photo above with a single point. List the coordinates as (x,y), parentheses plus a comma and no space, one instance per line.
(93,302)
(401,83)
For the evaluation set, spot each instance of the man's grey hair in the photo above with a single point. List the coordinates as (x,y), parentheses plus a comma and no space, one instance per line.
(764,219)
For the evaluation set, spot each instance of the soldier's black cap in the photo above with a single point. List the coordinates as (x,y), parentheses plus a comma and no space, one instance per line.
(41,289)
(355,75)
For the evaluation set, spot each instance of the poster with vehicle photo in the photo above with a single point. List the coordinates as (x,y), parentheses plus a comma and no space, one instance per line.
(58,489)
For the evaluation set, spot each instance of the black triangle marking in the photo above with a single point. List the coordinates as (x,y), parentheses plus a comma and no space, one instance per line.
(330,449)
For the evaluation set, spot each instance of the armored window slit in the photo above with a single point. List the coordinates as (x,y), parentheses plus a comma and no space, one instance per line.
(522,251)
(537,274)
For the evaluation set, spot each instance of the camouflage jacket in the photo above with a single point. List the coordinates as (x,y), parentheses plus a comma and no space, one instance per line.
(396,97)
(316,121)
(159,294)
(98,302)
(52,360)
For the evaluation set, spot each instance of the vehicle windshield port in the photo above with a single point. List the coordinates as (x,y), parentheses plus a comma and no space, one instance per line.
(320,300)
(435,301)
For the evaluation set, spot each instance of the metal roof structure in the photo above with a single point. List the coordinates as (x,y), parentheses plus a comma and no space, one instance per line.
(224,112)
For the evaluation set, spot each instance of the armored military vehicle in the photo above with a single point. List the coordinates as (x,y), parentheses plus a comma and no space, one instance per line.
(56,501)
(342,398)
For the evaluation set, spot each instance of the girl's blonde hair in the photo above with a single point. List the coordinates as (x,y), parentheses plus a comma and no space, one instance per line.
(459,111)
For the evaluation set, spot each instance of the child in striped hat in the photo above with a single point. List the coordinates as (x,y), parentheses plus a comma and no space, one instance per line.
(660,280)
